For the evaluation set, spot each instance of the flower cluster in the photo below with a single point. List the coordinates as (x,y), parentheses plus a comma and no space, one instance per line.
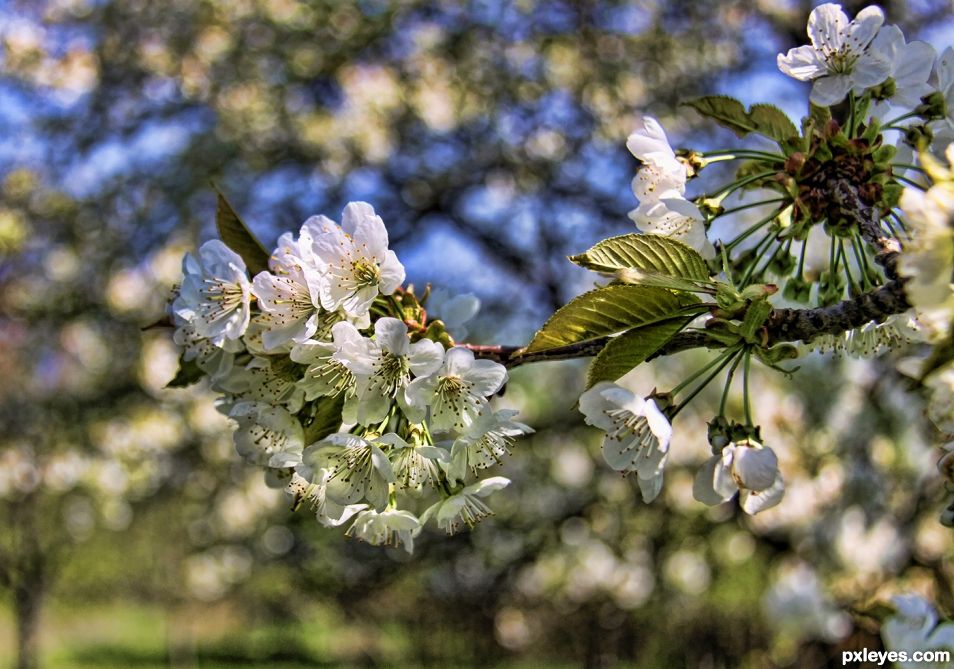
(338,383)
(850,202)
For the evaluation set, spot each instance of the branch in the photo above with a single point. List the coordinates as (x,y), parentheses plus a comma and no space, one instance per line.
(868,220)
(783,325)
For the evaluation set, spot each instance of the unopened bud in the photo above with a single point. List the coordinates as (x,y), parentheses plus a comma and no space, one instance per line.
(933,107)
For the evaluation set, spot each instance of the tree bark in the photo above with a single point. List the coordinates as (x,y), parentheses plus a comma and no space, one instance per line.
(27,597)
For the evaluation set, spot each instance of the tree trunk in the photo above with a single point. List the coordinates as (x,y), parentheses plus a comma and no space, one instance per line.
(27,599)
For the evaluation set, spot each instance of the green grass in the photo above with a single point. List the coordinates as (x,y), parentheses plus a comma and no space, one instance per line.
(125,635)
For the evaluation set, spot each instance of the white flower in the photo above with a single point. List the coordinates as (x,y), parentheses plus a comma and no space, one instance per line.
(909,67)
(285,297)
(637,433)
(915,628)
(940,409)
(797,604)
(746,467)
(414,465)
(453,311)
(465,507)
(457,392)
(267,435)
(944,128)
(661,172)
(384,368)
(325,373)
(676,217)
(216,361)
(215,294)
(484,444)
(660,186)
(871,339)
(927,260)
(839,58)
(358,265)
(328,512)
(386,528)
(360,469)
(262,380)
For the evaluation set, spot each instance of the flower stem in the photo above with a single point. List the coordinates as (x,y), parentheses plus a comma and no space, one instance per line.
(748,231)
(720,364)
(739,183)
(728,385)
(745,387)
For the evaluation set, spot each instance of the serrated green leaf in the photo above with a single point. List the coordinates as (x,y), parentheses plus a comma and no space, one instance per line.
(772,122)
(820,115)
(763,119)
(630,349)
(239,238)
(725,111)
(188,374)
(653,253)
(327,418)
(607,311)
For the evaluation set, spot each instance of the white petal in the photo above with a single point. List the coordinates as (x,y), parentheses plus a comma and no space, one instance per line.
(486,377)
(391,335)
(366,228)
(830,90)
(486,486)
(458,361)
(649,137)
(722,480)
(593,406)
(336,514)
(373,407)
(753,501)
(702,486)
(803,63)
(863,29)
(620,454)
(425,357)
(756,468)
(869,71)
(651,487)
(827,25)
(658,424)
(392,273)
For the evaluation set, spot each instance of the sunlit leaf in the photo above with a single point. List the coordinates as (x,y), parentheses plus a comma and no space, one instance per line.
(653,253)
(607,311)
(630,349)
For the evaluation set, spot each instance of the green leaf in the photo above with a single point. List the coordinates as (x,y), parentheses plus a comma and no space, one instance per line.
(239,238)
(764,119)
(772,122)
(726,111)
(188,374)
(653,253)
(327,418)
(607,311)
(818,115)
(630,349)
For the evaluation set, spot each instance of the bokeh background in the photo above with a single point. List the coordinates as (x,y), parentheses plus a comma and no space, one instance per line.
(490,136)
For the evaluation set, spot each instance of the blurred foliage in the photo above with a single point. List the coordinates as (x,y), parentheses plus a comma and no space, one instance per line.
(490,135)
